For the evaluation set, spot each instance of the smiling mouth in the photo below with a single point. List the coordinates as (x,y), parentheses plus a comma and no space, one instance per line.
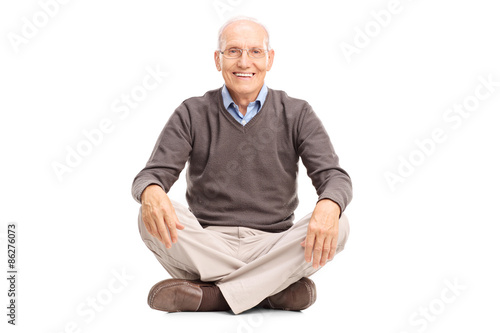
(244,75)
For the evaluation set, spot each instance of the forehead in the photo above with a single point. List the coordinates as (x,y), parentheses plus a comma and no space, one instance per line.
(244,33)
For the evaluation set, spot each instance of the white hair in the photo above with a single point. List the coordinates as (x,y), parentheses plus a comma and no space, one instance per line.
(238,19)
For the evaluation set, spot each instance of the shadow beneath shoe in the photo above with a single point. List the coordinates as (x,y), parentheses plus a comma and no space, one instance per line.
(253,320)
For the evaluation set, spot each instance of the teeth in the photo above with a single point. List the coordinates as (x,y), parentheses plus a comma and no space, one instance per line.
(244,74)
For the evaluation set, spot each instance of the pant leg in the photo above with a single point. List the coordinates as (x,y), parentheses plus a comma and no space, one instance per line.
(198,254)
(302,225)
(275,270)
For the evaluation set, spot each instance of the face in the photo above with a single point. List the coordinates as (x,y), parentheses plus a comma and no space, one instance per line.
(244,35)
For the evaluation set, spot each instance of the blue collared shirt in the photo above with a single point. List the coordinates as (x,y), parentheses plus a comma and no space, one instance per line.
(252,109)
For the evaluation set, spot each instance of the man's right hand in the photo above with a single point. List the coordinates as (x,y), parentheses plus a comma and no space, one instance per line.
(159,216)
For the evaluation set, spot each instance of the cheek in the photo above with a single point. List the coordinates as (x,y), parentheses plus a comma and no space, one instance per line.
(263,68)
(226,68)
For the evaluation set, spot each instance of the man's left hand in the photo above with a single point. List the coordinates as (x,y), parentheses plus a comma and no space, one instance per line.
(322,234)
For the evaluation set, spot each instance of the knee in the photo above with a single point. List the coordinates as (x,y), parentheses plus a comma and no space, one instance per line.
(344,225)
(344,231)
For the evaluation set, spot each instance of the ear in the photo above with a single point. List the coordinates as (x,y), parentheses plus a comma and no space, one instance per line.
(217,60)
(270,60)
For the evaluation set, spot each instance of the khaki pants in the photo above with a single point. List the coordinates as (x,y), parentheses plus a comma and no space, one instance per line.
(247,265)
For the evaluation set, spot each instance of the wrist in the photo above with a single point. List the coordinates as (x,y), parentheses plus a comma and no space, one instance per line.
(150,189)
(331,205)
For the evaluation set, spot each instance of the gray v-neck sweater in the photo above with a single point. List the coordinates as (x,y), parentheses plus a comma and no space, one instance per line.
(245,175)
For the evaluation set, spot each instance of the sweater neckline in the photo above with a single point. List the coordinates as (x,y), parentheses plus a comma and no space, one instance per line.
(251,123)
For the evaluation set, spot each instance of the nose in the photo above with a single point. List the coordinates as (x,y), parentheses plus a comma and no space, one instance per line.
(244,60)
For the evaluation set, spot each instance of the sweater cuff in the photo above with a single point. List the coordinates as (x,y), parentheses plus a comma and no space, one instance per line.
(139,186)
(333,198)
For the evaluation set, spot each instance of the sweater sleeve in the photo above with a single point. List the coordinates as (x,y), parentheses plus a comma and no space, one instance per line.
(322,163)
(169,155)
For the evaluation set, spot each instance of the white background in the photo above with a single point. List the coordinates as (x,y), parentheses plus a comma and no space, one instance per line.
(440,224)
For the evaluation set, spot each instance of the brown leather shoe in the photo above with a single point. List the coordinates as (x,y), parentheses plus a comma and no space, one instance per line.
(297,296)
(175,295)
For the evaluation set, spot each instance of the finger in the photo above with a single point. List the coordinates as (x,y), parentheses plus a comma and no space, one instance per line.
(146,225)
(149,220)
(325,253)
(309,244)
(333,249)
(331,254)
(317,252)
(173,224)
(162,230)
(151,227)
(171,229)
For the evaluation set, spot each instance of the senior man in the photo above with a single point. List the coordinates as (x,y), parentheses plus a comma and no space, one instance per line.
(236,246)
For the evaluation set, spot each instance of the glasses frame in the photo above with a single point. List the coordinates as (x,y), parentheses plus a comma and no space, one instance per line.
(241,52)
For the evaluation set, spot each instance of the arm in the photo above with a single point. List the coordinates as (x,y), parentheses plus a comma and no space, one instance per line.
(151,185)
(333,186)
(169,156)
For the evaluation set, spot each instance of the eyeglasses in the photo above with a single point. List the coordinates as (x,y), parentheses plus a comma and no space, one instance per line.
(233,53)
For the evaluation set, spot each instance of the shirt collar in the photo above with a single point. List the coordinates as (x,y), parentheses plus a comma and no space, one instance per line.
(228,100)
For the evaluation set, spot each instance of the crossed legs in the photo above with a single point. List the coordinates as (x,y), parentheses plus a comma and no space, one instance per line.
(247,265)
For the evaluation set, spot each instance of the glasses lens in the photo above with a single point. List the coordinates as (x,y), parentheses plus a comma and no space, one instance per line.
(256,53)
(232,53)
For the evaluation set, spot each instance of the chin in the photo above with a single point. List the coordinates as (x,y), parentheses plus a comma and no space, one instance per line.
(245,87)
